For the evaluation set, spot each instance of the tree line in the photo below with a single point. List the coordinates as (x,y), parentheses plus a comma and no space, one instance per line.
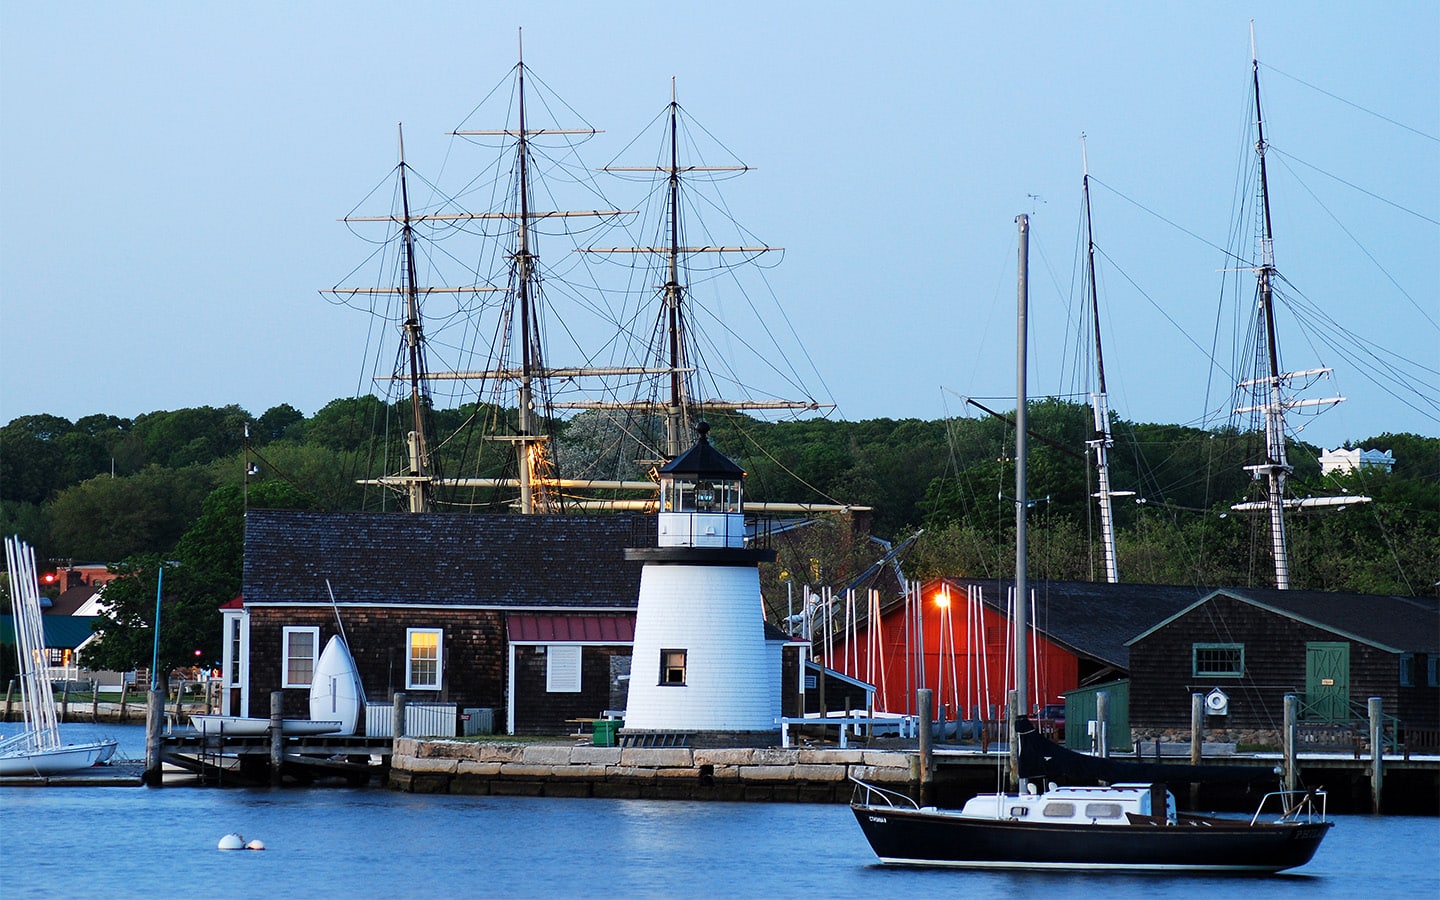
(169,488)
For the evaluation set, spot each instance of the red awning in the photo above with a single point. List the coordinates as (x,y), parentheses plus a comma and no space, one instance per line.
(528,628)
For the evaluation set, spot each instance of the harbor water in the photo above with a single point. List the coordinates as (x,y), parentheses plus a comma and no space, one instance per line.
(323,842)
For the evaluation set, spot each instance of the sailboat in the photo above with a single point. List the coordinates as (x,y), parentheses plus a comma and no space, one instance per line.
(1129,824)
(1269,388)
(37,750)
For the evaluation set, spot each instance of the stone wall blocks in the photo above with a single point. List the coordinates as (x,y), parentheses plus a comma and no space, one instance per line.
(656,756)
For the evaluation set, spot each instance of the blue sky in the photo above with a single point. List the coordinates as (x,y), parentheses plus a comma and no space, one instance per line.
(171,175)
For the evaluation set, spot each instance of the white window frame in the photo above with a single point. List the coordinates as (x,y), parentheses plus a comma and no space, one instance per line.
(286,634)
(563,668)
(410,683)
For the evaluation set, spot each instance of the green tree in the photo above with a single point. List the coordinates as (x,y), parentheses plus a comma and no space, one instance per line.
(112,518)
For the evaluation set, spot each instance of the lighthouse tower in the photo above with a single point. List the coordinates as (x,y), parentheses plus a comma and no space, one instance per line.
(700,661)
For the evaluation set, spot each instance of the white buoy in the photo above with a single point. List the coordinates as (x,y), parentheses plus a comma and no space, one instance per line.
(231,841)
(255,844)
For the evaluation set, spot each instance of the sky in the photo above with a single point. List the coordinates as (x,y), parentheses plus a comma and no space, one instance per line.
(171,175)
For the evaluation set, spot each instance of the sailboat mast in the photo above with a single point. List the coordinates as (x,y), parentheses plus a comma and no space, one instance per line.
(1020,704)
(1276,468)
(523,273)
(675,430)
(1102,441)
(418,486)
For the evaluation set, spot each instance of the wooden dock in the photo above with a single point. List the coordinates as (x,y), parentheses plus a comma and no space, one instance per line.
(237,761)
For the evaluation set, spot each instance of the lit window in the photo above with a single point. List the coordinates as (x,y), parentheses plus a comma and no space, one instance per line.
(672,667)
(423,662)
(1218,660)
(300,645)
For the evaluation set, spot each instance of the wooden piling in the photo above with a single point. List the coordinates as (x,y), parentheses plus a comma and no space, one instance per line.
(923,700)
(1377,752)
(154,715)
(1102,724)
(277,735)
(94,700)
(123,692)
(65,700)
(1289,739)
(397,717)
(1197,741)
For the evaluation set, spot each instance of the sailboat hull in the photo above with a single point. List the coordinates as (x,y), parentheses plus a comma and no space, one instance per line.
(929,837)
(56,761)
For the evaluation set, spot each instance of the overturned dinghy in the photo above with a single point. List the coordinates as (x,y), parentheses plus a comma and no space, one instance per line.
(335,692)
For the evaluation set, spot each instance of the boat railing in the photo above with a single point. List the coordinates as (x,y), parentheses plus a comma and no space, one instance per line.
(867,794)
(1292,806)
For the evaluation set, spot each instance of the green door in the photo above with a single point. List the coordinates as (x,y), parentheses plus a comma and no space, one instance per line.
(1327,681)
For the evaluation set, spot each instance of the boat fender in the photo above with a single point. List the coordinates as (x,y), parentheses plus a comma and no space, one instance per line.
(255,844)
(231,841)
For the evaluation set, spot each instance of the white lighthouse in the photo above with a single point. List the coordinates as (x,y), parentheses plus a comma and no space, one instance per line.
(700,661)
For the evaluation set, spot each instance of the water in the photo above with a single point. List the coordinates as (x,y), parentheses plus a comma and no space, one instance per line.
(137,842)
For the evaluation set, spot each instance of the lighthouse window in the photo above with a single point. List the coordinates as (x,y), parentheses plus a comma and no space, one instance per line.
(672,667)
(299,646)
(423,662)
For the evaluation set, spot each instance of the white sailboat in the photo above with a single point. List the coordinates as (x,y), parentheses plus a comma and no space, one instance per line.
(38,750)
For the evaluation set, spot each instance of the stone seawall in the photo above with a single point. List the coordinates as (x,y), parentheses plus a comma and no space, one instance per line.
(672,773)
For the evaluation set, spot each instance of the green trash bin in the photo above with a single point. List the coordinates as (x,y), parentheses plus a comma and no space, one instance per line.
(603,731)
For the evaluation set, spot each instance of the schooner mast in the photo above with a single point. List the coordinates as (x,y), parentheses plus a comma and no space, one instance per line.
(1269,388)
(418,479)
(1102,440)
(676,350)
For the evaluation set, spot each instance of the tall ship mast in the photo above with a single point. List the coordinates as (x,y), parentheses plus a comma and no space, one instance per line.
(1101,441)
(1268,390)
(516,376)
(516,396)
(680,396)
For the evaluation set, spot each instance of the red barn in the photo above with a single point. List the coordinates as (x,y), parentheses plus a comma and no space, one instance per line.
(953,636)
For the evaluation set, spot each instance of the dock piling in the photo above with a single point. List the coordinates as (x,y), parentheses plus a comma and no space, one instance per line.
(277,735)
(154,715)
(1377,752)
(923,700)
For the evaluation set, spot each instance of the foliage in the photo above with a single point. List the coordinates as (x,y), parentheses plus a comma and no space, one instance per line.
(108,488)
(112,518)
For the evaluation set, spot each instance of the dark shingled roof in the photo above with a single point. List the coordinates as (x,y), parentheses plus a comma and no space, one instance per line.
(1092,619)
(444,560)
(1399,624)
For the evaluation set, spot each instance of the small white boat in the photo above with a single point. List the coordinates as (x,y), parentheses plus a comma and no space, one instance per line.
(37,750)
(248,726)
(335,691)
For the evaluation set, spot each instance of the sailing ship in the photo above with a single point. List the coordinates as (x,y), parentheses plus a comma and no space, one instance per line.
(37,749)
(1268,393)
(1124,825)
(643,386)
